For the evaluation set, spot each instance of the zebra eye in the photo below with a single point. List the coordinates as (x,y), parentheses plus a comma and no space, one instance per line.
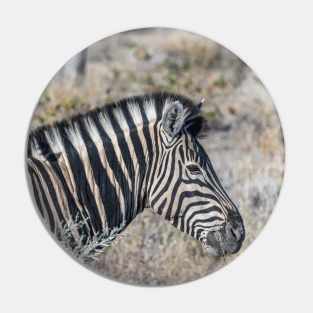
(194,169)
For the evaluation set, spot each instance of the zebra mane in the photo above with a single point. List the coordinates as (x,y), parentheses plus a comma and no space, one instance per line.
(127,113)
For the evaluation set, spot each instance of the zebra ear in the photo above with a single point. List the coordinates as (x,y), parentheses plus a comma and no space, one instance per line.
(173,119)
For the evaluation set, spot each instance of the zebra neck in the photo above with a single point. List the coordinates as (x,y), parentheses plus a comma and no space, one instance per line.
(134,151)
(95,168)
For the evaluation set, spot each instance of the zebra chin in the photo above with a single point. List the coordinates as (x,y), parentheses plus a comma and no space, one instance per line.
(225,241)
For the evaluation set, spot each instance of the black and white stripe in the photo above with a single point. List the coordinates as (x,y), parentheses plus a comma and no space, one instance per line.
(91,175)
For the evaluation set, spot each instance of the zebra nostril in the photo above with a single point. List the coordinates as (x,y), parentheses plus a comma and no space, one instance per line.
(238,234)
(235,233)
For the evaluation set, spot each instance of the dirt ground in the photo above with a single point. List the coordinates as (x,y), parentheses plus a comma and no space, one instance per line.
(245,141)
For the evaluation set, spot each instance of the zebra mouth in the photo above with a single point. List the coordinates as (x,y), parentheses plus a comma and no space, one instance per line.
(211,243)
(222,242)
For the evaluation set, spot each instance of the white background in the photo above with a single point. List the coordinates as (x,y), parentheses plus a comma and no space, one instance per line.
(274,38)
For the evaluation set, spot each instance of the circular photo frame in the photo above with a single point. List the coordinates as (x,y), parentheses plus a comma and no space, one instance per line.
(155,156)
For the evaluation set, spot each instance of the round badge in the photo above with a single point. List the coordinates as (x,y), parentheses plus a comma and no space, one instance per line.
(155,157)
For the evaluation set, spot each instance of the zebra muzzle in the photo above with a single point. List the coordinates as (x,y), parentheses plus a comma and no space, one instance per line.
(228,240)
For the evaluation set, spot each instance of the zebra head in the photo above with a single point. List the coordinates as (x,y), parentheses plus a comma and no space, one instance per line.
(187,191)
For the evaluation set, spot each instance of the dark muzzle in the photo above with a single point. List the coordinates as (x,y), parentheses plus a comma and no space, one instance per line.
(229,239)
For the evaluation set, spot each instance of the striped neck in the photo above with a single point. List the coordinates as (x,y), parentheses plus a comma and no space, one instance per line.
(99,162)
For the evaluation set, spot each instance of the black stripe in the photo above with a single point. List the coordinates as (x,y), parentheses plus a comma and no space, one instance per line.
(47,207)
(32,175)
(139,151)
(148,139)
(198,223)
(152,177)
(180,215)
(161,206)
(208,210)
(135,138)
(107,191)
(165,188)
(126,157)
(114,163)
(85,195)
(182,154)
(51,189)
(85,230)
(174,192)
(163,168)
(195,193)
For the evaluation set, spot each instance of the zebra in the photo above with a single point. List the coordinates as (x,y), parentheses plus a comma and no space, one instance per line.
(92,174)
